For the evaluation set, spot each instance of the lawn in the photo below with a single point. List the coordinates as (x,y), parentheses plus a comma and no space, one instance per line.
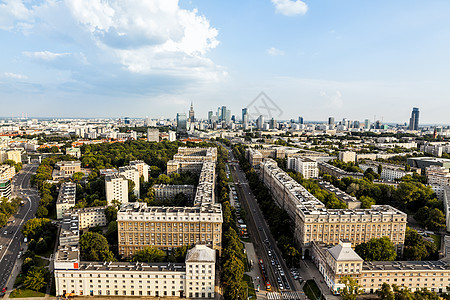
(312,290)
(40,262)
(25,293)
(251,287)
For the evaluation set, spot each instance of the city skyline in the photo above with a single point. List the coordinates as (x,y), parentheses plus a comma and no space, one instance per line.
(313,59)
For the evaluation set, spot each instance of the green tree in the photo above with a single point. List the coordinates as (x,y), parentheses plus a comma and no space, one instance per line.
(111,213)
(77,176)
(351,289)
(94,247)
(36,227)
(377,249)
(149,254)
(36,278)
(366,202)
(386,293)
(416,247)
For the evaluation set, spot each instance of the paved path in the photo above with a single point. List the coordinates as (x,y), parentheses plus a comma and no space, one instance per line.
(254,272)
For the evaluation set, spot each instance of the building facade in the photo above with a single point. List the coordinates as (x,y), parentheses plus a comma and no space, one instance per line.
(66,198)
(116,188)
(303,165)
(169,191)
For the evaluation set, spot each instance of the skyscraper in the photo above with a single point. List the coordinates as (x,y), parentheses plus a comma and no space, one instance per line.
(223,113)
(210,115)
(414,120)
(331,121)
(244,111)
(191,114)
(181,124)
(300,120)
(367,123)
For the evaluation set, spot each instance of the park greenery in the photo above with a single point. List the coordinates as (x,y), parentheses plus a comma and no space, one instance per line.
(17,166)
(377,249)
(417,248)
(386,292)
(413,197)
(346,166)
(94,247)
(351,289)
(8,208)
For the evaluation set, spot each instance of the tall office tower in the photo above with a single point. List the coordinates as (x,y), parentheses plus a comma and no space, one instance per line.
(245,120)
(191,113)
(126,121)
(244,111)
(228,116)
(356,124)
(414,120)
(378,124)
(331,121)
(260,122)
(210,115)
(181,124)
(273,124)
(300,120)
(223,113)
(219,114)
(367,123)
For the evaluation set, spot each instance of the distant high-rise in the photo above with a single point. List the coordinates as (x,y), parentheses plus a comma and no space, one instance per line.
(181,124)
(191,114)
(227,118)
(367,123)
(414,120)
(331,121)
(300,120)
(244,111)
(273,124)
(210,115)
(260,122)
(223,113)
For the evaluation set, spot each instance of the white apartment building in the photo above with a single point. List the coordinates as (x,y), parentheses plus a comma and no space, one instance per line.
(132,174)
(7,172)
(5,188)
(142,167)
(193,279)
(116,187)
(389,172)
(446,200)
(91,217)
(152,135)
(347,156)
(66,198)
(169,191)
(304,165)
(438,178)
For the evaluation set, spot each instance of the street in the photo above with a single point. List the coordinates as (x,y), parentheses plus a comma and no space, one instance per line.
(11,238)
(265,245)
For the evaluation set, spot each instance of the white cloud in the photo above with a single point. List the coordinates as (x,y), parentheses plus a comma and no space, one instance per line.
(334,100)
(275,52)
(14,75)
(45,55)
(142,37)
(290,7)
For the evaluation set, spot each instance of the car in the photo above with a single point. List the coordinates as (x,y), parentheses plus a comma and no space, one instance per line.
(6,232)
(4,290)
(1,247)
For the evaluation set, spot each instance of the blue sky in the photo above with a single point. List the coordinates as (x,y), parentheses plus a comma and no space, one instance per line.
(353,59)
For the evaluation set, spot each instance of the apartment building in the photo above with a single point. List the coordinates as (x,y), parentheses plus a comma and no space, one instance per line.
(337,172)
(195,278)
(438,178)
(303,165)
(91,217)
(347,156)
(169,191)
(5,188)
(191,160)
(65,169)
(256,156)
(15,155)
(335,262)
(351,201)
(389,172)
(66,198)
(313,222)
(131,173)
(168,227)
(424,162)
(74,151)
(153,135)
(7,172)
(446,200)
(142,167)
(116,188)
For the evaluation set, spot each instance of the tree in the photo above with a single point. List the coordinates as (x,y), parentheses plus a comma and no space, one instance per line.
(380,169)
(366,202)
(351,289)
(35,227)
(77,176)
(416,247)
(149,254)
(381,249)
(41,246)
(36,278)
(111,213)
(94,247)
(386,293)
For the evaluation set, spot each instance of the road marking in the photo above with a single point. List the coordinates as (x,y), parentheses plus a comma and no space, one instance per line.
(7,247)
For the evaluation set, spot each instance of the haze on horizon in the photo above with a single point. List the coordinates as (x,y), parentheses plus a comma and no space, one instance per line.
(347,59)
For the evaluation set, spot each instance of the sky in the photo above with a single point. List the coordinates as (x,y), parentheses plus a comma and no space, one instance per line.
(115,58)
